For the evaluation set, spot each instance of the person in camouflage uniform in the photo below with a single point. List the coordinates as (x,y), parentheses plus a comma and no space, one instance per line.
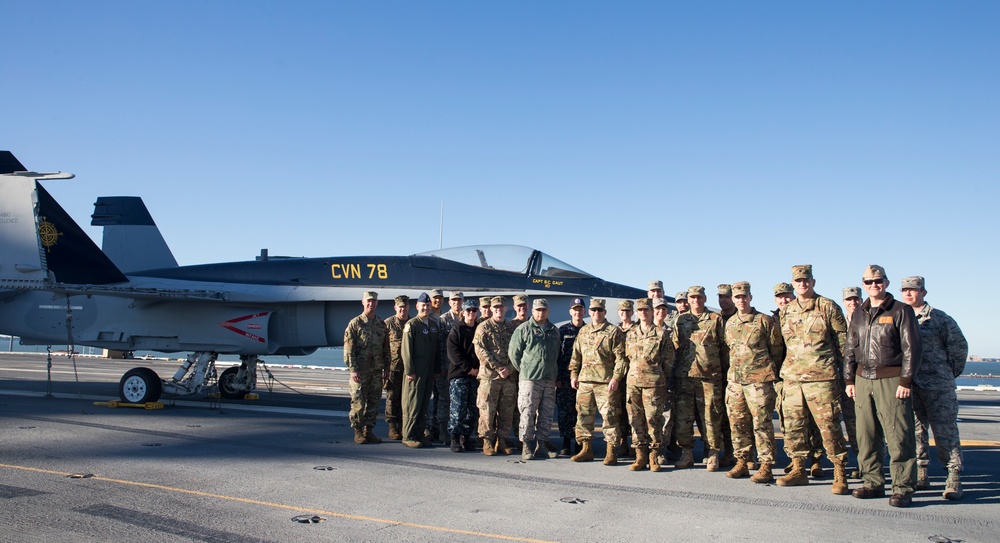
(565,394)
(852,300)
(521,315)
(701,352)
(437,408)
(485,311)
(421,354)
(533,351)
(597,369)
(463,385)
(784,293)
(497,391)
(755,350)
(935,401)
(650,352)
(661,319)
(366,354)
(625,312)
(682,305)
(394,383)
(726,310)
(815,335)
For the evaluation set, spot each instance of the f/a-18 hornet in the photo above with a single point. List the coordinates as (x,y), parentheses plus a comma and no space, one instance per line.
(57,286)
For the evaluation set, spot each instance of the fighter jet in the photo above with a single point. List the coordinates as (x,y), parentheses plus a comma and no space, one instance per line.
(57,287)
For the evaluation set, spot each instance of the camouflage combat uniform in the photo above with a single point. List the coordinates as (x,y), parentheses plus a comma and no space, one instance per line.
(598,357)
(394,384)
(650,360)
(935,401)
(755,350)
(815,334)
(366,352)
(497,395)
(698,366)
(813,436)
(565,395)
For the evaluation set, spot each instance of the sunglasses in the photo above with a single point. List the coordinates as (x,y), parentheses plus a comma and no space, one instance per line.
(877,281)
(598,309)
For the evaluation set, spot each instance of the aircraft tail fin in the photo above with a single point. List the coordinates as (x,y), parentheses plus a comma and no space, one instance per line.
(40,244)
(131,238)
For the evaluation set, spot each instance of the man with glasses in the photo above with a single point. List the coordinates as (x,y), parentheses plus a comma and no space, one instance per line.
(700,352)
(815,333)
(883,354)
(421,360)
(597,370)
(935,402)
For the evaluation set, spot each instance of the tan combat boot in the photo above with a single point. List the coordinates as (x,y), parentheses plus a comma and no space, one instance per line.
(686,460)
(611,456)
(502,447)
(586,453)
(796,477)
(359,436)
(922,482)
(953,486)
(839,479)
(654,457)
(488,448)
(788,468)
(394,433)
(641,458)
(712,460)
(739,471)
(370,436)
(816,469)
(763,475)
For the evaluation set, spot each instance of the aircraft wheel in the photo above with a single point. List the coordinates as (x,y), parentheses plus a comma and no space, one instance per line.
(140,385)
(228,386)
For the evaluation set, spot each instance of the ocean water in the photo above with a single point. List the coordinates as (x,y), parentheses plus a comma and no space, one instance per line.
(976,373)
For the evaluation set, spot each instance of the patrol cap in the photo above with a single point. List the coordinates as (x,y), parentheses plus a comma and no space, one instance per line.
(660,302)
(625,305)
(725,289)
(741,288)
(913,281)
(498,301)
(485,301)
(645,303)
(874,271)
(855,292)
(577,302)
(539,303)
(402,300)
(696,291)
(370,295)
(802,271)
(655,284)
(471,303)
(597,303)
(783,288)
(682,295)
(436,292)
(423,298)
(520,299)
(457,295)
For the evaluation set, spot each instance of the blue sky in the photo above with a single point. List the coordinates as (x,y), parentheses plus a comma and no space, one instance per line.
(697,143)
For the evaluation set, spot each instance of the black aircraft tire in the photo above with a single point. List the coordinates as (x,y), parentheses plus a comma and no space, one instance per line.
(140,385)
(227,385)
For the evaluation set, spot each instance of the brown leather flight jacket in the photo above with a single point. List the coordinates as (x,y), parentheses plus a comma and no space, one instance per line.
(884,343)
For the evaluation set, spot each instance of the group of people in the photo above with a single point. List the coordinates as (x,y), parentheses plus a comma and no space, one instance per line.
(888,368)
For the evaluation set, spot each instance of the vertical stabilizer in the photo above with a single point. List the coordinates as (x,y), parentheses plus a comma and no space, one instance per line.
(131,239)
(21,264)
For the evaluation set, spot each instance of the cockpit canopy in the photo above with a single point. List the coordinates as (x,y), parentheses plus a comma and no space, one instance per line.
(510,258)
